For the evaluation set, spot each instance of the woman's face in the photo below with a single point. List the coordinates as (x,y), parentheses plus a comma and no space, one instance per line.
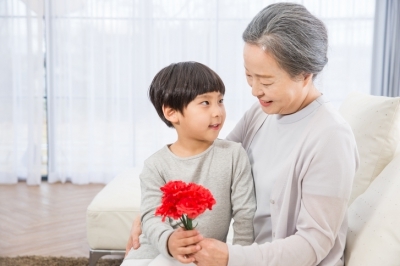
(277,92)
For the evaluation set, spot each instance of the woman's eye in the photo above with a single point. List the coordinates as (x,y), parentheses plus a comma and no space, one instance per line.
(266,85)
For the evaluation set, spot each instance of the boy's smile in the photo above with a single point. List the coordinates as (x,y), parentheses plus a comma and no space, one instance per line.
(215,127)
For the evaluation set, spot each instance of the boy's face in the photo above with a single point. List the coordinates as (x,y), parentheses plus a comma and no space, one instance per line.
(203,118)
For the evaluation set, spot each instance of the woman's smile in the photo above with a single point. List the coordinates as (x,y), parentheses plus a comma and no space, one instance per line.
(265,103)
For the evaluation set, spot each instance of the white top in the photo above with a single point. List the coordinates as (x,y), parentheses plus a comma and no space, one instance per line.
(303,176)
(273,142)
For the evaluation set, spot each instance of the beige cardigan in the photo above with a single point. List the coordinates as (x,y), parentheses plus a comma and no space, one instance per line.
(309,205)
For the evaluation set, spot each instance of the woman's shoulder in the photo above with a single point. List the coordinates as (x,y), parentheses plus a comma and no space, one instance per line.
(329,126)
(329,118)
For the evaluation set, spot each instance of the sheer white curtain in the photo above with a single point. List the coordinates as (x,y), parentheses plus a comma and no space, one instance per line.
(103,54)
(21,91)
(350,26)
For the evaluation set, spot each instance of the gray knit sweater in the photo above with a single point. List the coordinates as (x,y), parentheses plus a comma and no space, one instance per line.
(224,169)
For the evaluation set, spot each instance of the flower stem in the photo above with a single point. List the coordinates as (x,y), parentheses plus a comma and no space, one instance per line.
(187,222)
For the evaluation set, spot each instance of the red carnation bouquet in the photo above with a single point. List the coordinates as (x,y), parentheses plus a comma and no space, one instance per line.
(184,201)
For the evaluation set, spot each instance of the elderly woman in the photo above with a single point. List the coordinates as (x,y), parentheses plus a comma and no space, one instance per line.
(303,154)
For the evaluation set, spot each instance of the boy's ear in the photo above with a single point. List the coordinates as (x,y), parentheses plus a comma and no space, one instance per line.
(170,114)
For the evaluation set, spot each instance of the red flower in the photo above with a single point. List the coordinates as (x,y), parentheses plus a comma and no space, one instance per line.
(184,201)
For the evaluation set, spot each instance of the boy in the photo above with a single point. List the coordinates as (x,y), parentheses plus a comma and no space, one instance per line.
(188,97)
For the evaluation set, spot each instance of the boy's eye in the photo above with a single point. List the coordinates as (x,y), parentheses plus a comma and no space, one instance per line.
(221,101)
(205,103)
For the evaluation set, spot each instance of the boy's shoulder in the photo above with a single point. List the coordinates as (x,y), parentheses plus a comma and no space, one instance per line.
(222,146)
(228,146)
(161,153)
(226,143)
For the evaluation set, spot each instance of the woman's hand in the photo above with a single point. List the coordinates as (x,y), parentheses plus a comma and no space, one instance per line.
(212,253)
(136,231)
(181,243)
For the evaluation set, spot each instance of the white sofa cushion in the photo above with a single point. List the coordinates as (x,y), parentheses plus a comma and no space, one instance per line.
(110,215)
(375,123)
(373,236)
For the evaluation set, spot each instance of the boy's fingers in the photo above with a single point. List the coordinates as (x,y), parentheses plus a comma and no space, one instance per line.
(183,242)
(190,240)
(189,250)
(185,259)
(180,233)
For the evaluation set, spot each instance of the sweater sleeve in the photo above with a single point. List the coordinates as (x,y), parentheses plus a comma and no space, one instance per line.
(243,200)
(154,229)
(237,134)
(248,126)
(326,180)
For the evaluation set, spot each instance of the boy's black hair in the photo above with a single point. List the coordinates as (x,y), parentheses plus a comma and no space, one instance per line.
(178,84)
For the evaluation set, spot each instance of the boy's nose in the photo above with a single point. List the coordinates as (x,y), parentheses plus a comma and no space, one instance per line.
(218,111)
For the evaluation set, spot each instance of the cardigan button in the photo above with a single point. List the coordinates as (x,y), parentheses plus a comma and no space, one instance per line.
(273,234)
(272,201)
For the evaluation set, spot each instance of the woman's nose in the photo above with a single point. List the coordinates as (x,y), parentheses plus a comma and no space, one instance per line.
(256,89)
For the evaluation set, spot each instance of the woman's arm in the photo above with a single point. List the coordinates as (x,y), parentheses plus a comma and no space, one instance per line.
(325,181)
(136,231)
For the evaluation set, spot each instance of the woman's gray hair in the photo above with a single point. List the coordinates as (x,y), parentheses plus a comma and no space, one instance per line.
(297,39)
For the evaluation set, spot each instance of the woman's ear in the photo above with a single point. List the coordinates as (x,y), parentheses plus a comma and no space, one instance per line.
(170,114)
(307,78)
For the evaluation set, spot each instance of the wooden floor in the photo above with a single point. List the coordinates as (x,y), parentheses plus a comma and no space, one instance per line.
(46,220)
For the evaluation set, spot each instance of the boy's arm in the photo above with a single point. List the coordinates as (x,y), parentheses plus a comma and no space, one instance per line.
(160,234)
(243,200)
(156,231)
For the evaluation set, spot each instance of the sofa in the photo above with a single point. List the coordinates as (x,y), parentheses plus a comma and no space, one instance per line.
(373,236)
(374,208)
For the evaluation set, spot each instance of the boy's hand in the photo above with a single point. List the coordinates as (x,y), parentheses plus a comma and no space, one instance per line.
(182,243)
